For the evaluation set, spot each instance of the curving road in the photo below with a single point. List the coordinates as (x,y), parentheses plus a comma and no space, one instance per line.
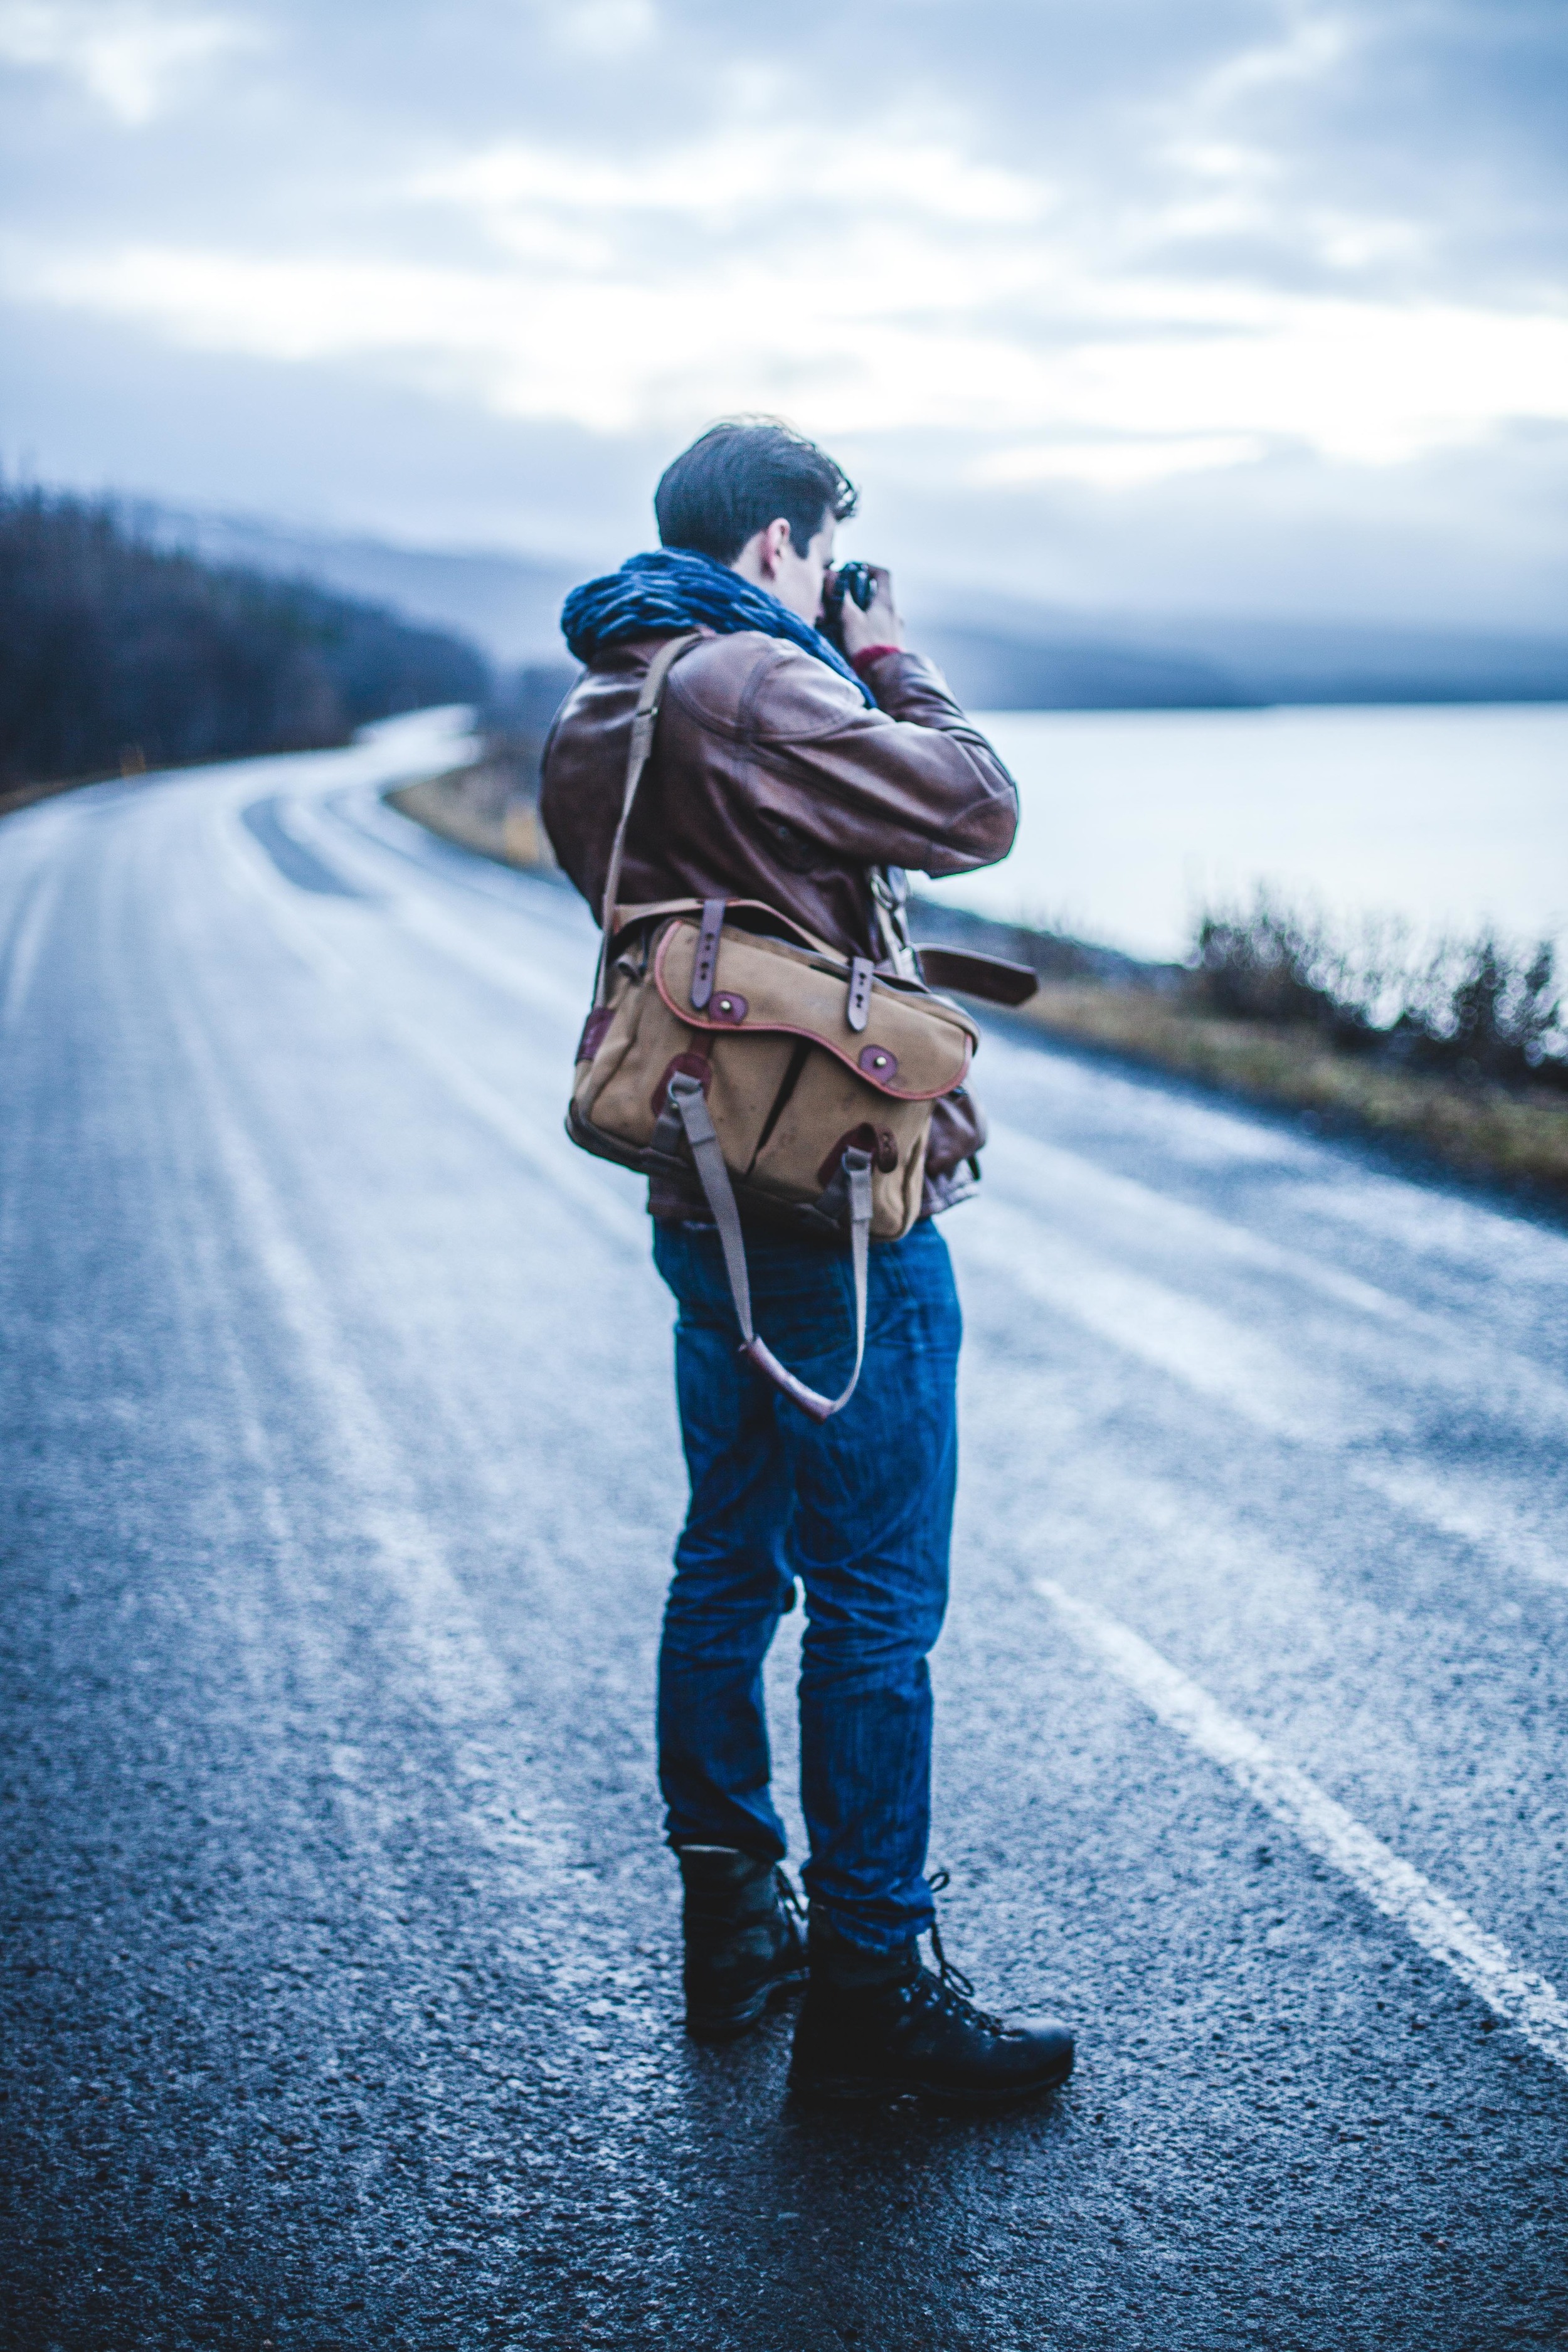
(340,1951)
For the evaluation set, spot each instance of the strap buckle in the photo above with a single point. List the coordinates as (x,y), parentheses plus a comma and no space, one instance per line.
(705,965)
(857,1010)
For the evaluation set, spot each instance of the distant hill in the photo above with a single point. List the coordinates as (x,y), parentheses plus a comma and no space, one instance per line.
(1003,653)
(995,669)
(1000,653)
(1327,661)
(509,605)
(116,653)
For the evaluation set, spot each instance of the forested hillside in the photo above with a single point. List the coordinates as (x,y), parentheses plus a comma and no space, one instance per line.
(115,653)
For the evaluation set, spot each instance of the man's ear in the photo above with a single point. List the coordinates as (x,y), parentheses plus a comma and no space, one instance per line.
(776,538)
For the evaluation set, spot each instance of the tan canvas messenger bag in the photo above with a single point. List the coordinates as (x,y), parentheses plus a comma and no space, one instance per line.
(797,1081)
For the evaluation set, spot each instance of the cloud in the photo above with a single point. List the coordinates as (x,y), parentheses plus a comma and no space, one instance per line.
(880,326)
(1311,45)
(737,175)
(1114,464)
(1093,252)
(133,59)
(606,28)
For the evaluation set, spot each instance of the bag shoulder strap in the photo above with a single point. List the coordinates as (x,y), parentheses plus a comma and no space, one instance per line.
(690,1104)
(645,719)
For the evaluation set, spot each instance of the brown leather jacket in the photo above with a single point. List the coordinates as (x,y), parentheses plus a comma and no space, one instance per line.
(770,779)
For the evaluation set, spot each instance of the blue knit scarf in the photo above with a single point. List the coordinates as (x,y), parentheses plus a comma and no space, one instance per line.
(673,589)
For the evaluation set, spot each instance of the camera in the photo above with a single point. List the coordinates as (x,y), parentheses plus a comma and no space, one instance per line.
(854,580)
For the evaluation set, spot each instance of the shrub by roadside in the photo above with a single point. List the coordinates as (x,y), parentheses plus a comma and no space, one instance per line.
(1460,1047)
(1480,1006)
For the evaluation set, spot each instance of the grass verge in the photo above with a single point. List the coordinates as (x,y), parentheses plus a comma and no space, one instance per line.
(1491,1130)
(460,807)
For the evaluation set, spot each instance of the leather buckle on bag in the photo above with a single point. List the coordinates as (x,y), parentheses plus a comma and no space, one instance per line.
(858,1010)
(705,965)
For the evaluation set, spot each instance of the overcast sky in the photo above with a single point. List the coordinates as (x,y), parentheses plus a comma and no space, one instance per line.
(1240,304)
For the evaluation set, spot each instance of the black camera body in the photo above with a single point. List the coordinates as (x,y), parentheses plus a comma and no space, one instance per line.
(857,581)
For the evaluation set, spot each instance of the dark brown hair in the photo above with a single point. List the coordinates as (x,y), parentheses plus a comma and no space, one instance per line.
(742,475)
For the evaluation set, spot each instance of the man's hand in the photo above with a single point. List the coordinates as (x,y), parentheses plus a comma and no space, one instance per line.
(878,625)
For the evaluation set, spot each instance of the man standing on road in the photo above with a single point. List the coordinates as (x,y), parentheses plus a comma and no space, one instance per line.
(788,771)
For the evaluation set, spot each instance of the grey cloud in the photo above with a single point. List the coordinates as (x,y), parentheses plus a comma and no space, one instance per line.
(1409,147)
(1447,114)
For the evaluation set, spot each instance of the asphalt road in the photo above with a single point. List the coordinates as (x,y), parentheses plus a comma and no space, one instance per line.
(339,1949)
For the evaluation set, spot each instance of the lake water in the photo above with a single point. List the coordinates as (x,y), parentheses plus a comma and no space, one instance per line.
(1448,816)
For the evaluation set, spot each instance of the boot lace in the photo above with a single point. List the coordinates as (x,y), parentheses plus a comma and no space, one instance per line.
(951,1987)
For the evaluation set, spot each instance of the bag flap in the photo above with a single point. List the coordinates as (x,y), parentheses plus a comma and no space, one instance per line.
(915,1047)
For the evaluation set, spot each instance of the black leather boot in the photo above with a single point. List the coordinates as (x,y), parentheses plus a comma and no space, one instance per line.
(743,1946)
(872,2026)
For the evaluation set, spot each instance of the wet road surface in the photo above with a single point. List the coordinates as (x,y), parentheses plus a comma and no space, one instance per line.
(339,1950)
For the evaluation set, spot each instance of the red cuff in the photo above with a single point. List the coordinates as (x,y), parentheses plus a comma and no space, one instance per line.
(861,662)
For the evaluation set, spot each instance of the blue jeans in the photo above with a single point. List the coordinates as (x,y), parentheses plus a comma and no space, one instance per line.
(860,1509)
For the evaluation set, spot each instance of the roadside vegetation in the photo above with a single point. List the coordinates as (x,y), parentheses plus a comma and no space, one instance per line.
(1481,1008)
(117,656)
(492,806)
(1459,1044)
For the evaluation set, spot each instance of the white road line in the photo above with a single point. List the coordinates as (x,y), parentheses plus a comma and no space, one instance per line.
(1513,1993)
(411,902)
(545,990)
